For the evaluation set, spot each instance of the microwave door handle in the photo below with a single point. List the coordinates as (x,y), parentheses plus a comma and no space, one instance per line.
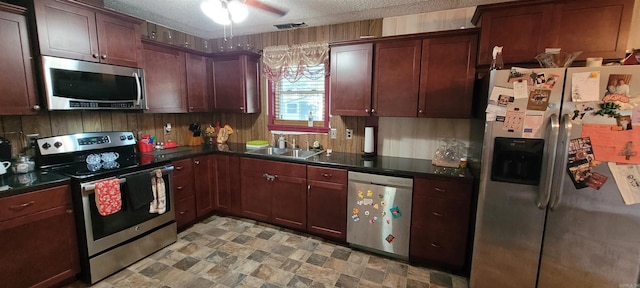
(139,86)
(562,158)
(551,147)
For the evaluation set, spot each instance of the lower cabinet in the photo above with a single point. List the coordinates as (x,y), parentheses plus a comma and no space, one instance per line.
(205,184)
(327,202)
(226,169)
(38,239)
(184,193)
(274,192)
(440,222)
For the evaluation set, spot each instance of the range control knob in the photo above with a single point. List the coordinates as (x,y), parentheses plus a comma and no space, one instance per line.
(122,137)
(129,137)
(57,144)
(46,146)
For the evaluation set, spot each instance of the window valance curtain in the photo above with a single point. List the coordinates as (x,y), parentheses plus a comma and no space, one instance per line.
(291,62)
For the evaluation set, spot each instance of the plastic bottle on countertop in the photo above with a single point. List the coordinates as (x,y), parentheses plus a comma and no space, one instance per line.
(310,122)
(281,142)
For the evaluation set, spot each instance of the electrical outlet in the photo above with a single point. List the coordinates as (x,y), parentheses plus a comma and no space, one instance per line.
(349,134)
(334,133)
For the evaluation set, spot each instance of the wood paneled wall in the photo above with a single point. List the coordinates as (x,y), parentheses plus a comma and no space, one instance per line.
(247,127)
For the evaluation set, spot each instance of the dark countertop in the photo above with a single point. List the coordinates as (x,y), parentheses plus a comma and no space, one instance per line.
(395,166)
(12,184)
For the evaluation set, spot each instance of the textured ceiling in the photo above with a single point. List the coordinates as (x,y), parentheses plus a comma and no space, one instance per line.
(186,16)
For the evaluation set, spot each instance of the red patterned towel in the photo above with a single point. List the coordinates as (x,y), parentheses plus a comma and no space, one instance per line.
(108,198)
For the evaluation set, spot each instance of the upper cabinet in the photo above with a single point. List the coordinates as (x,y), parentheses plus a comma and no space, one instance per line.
(16,77)
(420,75)
(526,28)
(197,83)
(351,70)
(236,82)
(76,31)
(165,88)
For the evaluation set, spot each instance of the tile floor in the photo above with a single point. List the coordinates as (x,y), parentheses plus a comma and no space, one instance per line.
(232,252)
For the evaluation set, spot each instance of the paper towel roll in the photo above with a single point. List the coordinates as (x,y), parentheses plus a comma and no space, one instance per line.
(368,140)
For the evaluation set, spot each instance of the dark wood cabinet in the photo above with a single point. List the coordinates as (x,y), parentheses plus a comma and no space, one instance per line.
(205,184)
(227,192)
(197,83)
(396,79)
(351,72)
(274,192)
(236,82)
(19,94)
(38,238)
(448,74)
(184,192)
(73,30)
(440,222)
(419,75)
(165,81)
(327,202)
(526,28)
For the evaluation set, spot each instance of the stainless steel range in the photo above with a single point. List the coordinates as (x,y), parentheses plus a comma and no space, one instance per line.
(112,242)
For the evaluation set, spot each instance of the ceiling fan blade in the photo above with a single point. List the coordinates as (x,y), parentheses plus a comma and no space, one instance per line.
(265,7)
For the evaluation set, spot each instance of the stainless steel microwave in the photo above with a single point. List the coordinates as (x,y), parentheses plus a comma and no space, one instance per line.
(80,85)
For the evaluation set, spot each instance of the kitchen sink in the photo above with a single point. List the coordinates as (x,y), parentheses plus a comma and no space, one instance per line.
(286,152)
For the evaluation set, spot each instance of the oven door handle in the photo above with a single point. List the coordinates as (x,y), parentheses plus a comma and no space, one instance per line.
(91,186)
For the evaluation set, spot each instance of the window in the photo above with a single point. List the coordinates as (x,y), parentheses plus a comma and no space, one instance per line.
(291,104)
(298,91)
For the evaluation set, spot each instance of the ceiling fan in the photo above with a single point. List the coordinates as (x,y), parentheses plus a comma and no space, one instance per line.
(227,12)
(266,7)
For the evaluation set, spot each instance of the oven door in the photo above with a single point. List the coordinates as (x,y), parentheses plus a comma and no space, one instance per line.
(104,232)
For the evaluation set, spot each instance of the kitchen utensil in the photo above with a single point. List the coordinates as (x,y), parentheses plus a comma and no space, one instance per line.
(3,167)
(557,59)
(93,159)
(109,156)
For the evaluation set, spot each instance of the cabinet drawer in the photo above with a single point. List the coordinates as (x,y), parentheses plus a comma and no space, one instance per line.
(185,211)
(274,167)
(182,167)
(333,175)
(183,187)
(441,214)
(27,203)
(441,247)
(449,189)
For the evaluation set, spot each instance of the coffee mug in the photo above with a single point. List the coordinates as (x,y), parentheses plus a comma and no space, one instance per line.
(3,167)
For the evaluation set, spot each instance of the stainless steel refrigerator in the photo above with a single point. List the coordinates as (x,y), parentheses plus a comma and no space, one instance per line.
(550,213)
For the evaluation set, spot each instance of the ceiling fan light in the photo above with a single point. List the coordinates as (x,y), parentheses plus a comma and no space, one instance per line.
(214,10)
(238,11)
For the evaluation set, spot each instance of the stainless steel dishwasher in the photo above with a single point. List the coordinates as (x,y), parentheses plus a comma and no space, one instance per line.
(379,213)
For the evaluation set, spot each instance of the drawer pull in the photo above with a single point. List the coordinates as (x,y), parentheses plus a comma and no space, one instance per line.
(435,245)
(21,206)
(439,189)
(182,212)
(269,177)
(179,188)
(438,214)
(197,162)
(69,211)
(179,168)
(327,175)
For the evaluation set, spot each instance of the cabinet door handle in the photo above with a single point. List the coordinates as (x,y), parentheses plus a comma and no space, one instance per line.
(190,108)
(241,108)
(36,107)
(327,175)
(366,110)
(179,188)
(438,214)
(373,110)
(179,167)
(420,111)
(69,211)
(269,177)
(21,206)
(197,162)
(95,55)
(435,245)
(182,212)
(439,189)
(103,56)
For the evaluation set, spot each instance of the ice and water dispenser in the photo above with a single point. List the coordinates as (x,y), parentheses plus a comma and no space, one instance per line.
(517,160)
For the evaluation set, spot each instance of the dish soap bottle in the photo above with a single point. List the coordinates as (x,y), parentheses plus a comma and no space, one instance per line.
(310,122)
(281,142)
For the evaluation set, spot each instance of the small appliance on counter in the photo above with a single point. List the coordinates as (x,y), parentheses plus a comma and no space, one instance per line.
(5,149)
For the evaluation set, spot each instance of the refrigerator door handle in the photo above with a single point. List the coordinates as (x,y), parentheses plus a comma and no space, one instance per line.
(562,158)
(552,138)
